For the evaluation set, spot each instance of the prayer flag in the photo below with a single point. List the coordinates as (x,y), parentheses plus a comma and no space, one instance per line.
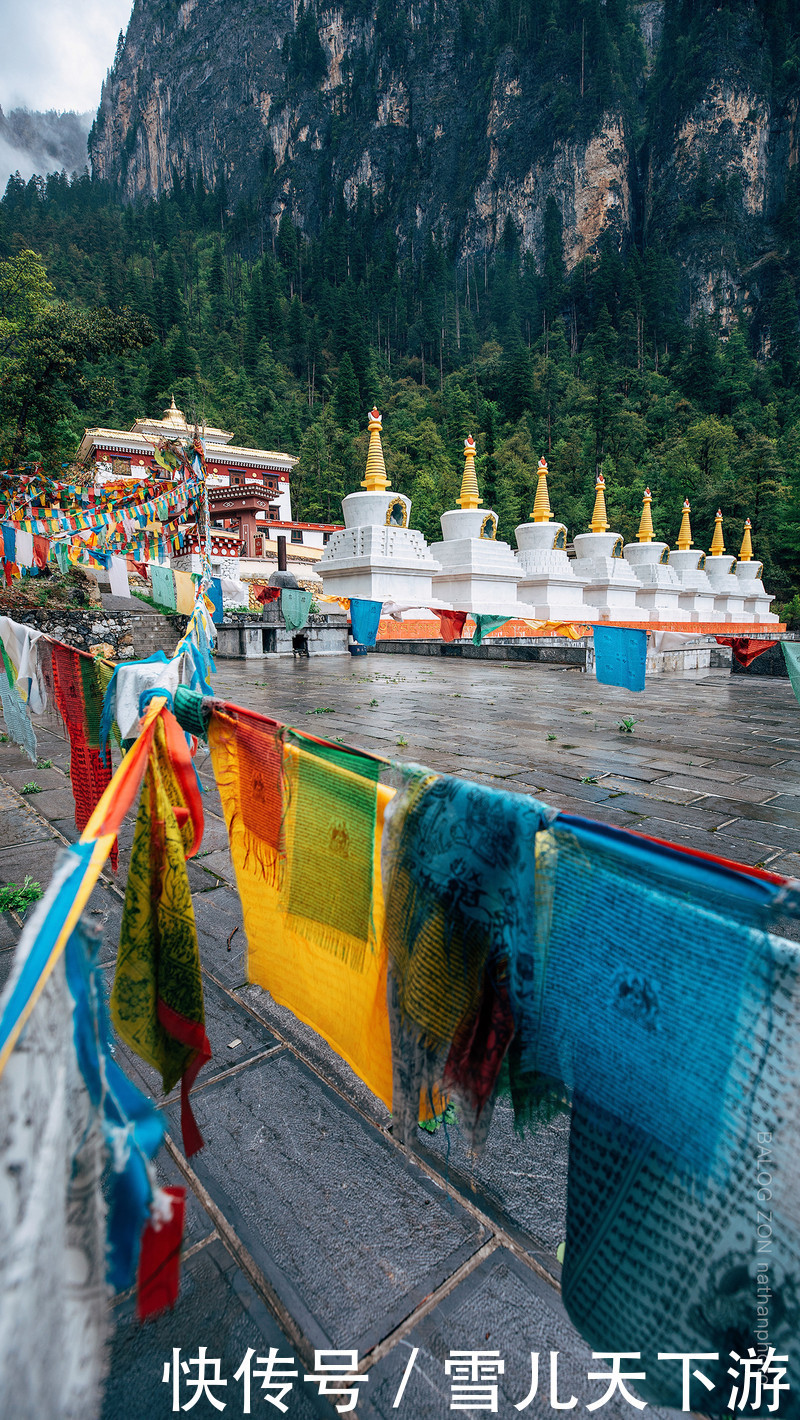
(365,619)
(451,624)
(79,699)
(323,960)
(746,649)
(163,583)
(295,607)
(620,656)
(157,998)
(484,624)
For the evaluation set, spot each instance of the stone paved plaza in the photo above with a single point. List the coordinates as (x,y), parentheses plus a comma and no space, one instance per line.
(307,1225)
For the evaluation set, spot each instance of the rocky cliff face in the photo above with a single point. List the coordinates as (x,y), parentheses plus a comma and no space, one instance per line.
(657,121)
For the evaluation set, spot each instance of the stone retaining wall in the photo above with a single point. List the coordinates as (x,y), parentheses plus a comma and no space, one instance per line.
(132,635)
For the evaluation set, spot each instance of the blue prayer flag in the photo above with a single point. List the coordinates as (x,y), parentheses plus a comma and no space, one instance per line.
(365,618)
(620,656)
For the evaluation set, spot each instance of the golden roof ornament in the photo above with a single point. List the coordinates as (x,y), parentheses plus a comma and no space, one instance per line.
(685,534)
(375,480)
(599,521)
(717,545)
(746,553)
(174,415)
(645,533)
(541,503)
(468,497)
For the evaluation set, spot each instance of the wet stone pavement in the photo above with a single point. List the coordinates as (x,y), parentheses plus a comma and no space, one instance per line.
(308,1227)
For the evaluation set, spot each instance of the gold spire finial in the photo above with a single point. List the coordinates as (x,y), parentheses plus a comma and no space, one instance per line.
(645,533)
(746,554)
(541,503)
(375,480)
(599,521)
(717,545)
(468,497)
(685,534)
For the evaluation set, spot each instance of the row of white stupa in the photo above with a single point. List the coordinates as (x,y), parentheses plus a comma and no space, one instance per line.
(378,557)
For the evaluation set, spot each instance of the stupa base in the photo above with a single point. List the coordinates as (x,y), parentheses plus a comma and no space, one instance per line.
(555,598)
(389,582)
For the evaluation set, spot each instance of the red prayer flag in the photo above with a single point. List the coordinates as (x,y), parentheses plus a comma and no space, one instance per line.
(745,649)
(451,624)
(266,594)
(160,1257)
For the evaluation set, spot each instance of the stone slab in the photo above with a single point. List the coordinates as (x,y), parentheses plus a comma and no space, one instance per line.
(747,791)
(45,778)
(680,814)
(197,1223)
(53,803)
(504,1307)
(20,825)
(218,863)
(6,962)
(215,834)
(9,931)
(233,1034)
(34,858)
(217,1308)
(519,1181)
(740,850)
(788,864)
(67,827)
(351,1236)
(105,910)
(217,915)
(755,831)
(316,1051)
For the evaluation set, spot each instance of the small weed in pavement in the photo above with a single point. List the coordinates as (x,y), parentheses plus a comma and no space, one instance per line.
(31,788)
(18,899)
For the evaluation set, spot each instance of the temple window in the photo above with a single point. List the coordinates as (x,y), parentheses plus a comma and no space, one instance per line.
(297,534)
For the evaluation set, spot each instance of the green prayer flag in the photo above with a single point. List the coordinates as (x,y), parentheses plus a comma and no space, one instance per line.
(485,624)
(295,607)
(331,852)
(791,655)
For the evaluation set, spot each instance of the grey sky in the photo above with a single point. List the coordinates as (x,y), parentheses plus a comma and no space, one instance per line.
(54,53)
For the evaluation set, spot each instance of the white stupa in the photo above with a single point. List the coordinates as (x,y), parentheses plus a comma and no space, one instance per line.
(610,583)
(697,601)
(757,599)
(376,555)
(728,590)
(478,573)
(549,585)
(660,589)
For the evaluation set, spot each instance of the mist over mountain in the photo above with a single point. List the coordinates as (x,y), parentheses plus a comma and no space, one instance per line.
(42,142)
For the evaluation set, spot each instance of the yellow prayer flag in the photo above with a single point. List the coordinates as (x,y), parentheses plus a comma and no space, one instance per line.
(184,593)
(305,966)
